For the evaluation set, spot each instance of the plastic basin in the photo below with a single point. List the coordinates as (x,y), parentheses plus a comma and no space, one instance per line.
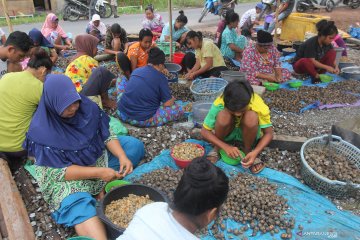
(232,76)
(288,51)
(178,57)
(325,78)
(116,183)
(113,231)
(200,110)
(229,160)
(295,83)
(173,67)
(271,86)
(351,73)
(184,163)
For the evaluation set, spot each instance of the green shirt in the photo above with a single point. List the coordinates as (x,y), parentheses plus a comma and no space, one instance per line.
(20,93)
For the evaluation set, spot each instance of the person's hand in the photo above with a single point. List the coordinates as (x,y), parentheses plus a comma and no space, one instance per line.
(178,44)
(337,70)
(249,159)
(190,76)
(330,69)
(108,174)
(271,78)
(126,166)
(232,151)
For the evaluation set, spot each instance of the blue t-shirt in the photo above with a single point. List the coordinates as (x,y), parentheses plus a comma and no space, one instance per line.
(144,93)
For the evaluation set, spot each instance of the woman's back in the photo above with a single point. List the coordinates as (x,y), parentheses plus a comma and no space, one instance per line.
(145,91)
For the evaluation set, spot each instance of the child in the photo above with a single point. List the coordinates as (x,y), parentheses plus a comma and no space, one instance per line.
(239,115)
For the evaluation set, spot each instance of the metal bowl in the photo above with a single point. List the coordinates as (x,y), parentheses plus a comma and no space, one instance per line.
(346,64)
(351,73)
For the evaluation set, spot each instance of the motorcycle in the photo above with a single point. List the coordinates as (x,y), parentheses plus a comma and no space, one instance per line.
(220,9)
(329,5)
(74,9)
(270,6)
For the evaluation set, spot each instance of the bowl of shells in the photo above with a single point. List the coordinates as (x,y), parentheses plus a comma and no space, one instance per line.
(184,153)
(229,160)
(271,86)
(118,207)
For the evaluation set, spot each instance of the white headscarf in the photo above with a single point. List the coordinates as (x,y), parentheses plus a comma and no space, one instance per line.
(101,27)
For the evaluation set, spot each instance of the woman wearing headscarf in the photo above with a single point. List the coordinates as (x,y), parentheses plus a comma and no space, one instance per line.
(96,88)
(96,28)
(80,69)
(147,100)
(261,61)
(40,41)
(55,34)
(76,154)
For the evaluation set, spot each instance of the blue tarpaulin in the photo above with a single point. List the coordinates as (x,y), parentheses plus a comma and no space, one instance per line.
(319,217)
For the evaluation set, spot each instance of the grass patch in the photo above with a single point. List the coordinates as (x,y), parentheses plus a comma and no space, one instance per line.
(24,19)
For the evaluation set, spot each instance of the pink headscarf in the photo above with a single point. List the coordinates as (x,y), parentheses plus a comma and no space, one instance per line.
(47,28)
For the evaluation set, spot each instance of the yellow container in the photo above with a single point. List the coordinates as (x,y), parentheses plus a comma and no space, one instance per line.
(296,25)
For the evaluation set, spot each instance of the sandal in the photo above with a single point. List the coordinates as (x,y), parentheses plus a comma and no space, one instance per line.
(213,154)
(257,166)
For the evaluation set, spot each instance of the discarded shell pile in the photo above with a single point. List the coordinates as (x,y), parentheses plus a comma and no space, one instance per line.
(170,76)
(121,211)
(187,151)
(253,202)
(165,179)
(309,95)
(181,92)
(63,62)
(159,138)
(331,164)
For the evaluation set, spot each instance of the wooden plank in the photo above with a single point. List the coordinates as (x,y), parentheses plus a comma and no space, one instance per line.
(19,8)
(13,209)
(285,142)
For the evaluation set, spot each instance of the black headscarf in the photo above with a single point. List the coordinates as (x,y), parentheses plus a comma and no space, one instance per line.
(156,56)
(264,38)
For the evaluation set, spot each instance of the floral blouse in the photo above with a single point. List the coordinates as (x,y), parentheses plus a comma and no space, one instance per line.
(55,188)
(155,25)
(253,63)
(80,70)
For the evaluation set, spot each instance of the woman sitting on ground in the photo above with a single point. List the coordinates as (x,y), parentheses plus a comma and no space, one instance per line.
(239,115)
(76,155)
(198,198)
(55,34)
(231,44)
(316,55)
(82,71)
(153,22)
(138,53)
(209,61)
(20,94)
(147,100)
(96,28)
(40,41)
(261,61)
(178,30)
(116,40)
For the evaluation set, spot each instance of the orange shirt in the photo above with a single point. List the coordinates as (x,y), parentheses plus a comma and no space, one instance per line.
(136,51)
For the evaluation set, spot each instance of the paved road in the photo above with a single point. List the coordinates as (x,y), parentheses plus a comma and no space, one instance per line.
(132,23)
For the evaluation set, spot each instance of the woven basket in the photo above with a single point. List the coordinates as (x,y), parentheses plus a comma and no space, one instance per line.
(207,89)
(323,185)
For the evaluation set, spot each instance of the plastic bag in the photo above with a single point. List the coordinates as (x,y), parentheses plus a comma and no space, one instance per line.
(349,130)
(117,127)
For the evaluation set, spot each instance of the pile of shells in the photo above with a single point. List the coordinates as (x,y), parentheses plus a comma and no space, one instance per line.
(63,62)
(331,164)
(181,92)
(230,65)
(165,180)
(187,151)
(159,138)
(296,100)
(253,202)
(121,212)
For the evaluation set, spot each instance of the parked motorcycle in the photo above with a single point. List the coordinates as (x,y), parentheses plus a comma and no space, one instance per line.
(74,9)
(221,9)
(269,7)
(329,5)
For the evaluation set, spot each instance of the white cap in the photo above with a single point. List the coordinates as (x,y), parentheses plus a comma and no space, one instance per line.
(95,17)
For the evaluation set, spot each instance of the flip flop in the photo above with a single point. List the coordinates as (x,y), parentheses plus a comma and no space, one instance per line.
(255,166)
(213,154)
